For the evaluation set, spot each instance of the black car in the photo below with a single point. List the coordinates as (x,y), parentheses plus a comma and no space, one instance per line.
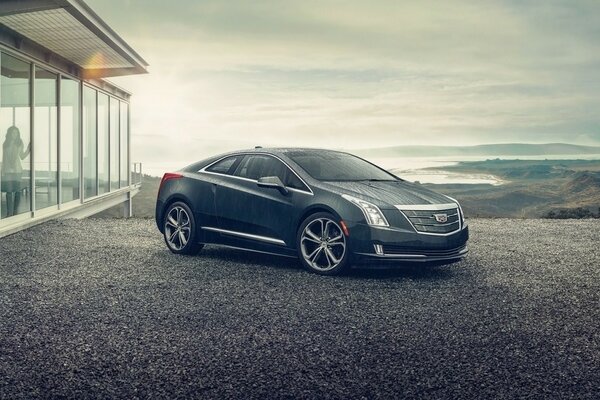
(329,208)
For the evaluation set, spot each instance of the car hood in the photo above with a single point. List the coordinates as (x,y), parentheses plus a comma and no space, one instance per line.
(388,194)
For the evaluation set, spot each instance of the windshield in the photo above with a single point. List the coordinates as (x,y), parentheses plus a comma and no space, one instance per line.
(335,166)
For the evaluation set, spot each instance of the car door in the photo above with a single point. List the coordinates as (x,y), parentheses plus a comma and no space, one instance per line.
(252,212)
(203,192)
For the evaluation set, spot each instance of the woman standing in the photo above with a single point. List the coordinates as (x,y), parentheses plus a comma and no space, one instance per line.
(12,171)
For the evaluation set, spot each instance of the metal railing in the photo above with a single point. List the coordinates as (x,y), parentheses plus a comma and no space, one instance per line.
(136,174)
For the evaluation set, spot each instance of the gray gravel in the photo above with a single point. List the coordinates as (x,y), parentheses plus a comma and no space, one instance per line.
(100,308)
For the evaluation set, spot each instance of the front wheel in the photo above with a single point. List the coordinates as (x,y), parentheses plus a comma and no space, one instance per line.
(180,230)
(322,245)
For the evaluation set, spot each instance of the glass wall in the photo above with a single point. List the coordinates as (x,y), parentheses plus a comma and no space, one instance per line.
(15,136)
(91,138)
(90,178)
(114,144)
(45,149)
(103,142)
(124,144)
(69,139)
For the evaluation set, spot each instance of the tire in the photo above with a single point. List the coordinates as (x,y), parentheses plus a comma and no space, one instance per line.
(322,246)
(180,230)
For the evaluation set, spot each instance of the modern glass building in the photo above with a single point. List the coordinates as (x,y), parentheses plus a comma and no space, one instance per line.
(64,129)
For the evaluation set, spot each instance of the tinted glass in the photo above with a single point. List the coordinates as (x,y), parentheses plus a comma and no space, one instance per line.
(15,151)
(335,166)
(224,166)
(89,143)
(103,144)
(291,180)
(45,147)
(69,139)
(114,144)
(260,166)
(124,150)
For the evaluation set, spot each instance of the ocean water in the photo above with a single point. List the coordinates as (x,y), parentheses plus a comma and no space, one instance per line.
(419,169)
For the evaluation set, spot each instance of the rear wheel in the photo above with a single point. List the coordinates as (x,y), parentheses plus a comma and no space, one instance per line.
(180,230)
(322,245)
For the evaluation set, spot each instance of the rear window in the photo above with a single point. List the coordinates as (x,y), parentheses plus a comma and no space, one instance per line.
(225,166)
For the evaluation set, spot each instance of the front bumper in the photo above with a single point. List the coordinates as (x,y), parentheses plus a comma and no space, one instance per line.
(370,245)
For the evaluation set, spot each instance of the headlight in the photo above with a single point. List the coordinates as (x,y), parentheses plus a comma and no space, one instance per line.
(372,213)
(460,211)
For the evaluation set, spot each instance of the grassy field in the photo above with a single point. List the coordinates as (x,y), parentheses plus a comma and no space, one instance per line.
(143,203)
(532,188)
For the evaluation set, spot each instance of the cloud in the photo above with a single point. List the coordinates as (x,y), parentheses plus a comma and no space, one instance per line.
(234,73)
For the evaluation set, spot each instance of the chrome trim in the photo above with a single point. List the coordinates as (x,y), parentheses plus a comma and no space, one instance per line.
(427,207)
(432,207)
(252,250)
(244,235)
(438,224)
(203,170)
(449,215)
(378,249)
(418,256)
(460,226)
(460,210)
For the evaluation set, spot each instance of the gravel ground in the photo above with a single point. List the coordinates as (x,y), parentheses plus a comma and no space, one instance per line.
(100,308)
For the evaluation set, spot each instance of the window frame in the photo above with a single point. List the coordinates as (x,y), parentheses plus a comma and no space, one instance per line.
(232,168)
(238,162)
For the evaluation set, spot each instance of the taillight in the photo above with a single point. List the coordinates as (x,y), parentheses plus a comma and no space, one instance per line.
(167,177)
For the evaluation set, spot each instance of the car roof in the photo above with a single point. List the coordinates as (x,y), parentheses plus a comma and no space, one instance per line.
(283,150)
(276,151)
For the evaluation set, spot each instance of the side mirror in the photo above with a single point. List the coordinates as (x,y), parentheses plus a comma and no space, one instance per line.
(272,182)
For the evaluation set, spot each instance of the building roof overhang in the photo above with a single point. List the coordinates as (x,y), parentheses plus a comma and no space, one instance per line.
(74,32)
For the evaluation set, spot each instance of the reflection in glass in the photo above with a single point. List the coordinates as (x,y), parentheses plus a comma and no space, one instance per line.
(69,139)
(89,143)
(45,149)
(124,144)
(14,136)
(103,172)
(114,144)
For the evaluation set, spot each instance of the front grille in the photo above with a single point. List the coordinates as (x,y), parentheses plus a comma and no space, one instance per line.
(425,221)
(395,250)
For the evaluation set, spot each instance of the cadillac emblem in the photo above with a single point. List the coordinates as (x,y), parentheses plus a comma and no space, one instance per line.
(441,218)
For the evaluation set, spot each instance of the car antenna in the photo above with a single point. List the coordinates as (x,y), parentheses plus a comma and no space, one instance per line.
(258,147)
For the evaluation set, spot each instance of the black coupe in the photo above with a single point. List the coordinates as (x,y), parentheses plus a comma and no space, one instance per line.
(329,208)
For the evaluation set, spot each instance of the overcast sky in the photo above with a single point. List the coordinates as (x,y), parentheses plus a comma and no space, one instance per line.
(234,74)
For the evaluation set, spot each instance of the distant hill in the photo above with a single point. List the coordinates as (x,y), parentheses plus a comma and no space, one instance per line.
(144,202)
(584,185)
(533,188)
(500,149)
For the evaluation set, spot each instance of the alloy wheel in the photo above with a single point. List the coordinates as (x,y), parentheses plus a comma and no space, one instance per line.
(177,228)
(323,244)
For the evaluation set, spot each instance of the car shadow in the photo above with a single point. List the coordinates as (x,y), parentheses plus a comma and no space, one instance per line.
(406,271)
(218,253)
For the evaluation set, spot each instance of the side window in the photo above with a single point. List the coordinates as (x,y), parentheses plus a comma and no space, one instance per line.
(294,182)
(260,166)
(225,166)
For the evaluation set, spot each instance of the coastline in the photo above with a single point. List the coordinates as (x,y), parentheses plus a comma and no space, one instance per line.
(439,176)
